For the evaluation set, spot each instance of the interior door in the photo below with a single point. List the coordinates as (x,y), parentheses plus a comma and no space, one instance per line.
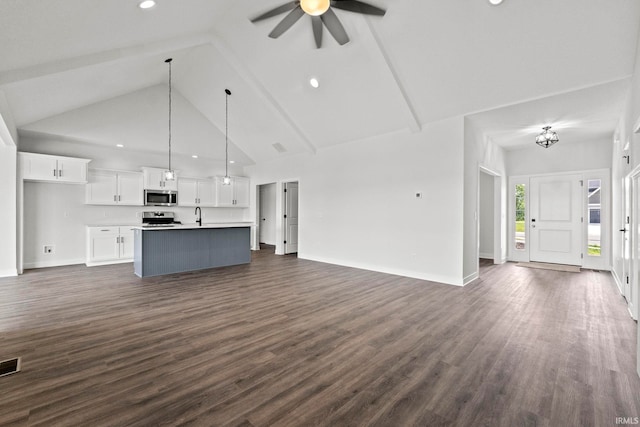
(291,217)
(556,219)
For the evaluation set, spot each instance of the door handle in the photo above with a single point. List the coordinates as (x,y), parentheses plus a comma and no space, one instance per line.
(623,230)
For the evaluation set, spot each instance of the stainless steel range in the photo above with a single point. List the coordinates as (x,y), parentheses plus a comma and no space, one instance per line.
(159,219)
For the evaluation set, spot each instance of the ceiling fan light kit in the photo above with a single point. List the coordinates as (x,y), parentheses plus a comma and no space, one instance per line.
(322,15)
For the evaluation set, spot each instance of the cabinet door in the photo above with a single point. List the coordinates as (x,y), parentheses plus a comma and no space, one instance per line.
(241,188)
(72,170)
(126,243)
(101,188)
(38,167)
(207,192)
(153,179)
(130,191)
(224,193)
(169,185)
(103,243)
(187,192)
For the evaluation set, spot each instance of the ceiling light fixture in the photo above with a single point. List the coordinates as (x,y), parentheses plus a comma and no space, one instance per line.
(195,156)
(146,4)
(315,7)
(119,145)
(314,82)
(170,174)
(547,138)
(226,180)
(495,2)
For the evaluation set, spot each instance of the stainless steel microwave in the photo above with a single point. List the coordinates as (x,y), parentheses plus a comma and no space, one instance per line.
(160,198)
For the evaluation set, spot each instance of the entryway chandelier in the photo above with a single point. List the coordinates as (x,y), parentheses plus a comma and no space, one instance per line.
(547,138)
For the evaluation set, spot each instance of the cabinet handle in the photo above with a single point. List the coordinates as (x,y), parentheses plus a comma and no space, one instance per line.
(59,173)
(119,198)
(105,230)
(114,198)
(55,172)
(117,239)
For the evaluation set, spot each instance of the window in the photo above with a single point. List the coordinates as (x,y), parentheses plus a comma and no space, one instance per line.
(520,220)
(594,231)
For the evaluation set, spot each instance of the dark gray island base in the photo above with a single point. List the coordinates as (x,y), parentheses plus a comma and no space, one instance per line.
(160,251)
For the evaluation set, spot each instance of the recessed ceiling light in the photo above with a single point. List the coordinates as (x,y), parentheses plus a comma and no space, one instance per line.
(119,145)
(495,2)
(232,161)
(195,156)
(146,4)
(314,82)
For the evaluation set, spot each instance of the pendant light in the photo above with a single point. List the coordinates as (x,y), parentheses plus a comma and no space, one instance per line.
(169,174)
(226,180)
(547,137)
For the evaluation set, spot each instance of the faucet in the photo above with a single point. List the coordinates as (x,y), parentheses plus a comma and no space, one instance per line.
(199,216)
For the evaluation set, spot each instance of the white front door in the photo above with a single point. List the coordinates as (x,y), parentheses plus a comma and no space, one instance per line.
(291,217)
(555,223)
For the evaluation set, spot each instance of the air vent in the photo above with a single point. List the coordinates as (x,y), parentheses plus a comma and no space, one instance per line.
(279,147)
(8,367)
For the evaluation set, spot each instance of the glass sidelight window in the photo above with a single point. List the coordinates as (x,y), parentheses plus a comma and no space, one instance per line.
(520,217)
(594,194)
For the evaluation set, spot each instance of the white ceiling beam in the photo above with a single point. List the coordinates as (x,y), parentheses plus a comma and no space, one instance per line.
(414,122)
(244,72)
(67,64)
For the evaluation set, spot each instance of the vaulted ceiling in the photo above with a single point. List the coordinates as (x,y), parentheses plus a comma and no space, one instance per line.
(94,71)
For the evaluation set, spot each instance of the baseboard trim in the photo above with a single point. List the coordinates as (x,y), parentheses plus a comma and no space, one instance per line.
(9,272)
(57,263)
(99,263)
(397,272)
(470,278)
(617,280)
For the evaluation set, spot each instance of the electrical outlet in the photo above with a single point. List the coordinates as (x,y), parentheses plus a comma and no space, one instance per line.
(48,249)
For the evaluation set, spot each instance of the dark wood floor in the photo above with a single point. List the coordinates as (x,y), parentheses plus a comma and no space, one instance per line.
(284,341)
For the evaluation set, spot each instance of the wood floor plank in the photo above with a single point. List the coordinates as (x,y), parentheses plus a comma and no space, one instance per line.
(284,341)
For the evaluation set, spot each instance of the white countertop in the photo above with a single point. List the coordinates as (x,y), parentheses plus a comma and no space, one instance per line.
(196,226)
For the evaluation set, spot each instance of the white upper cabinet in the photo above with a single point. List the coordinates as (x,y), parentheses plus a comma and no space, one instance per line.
(48,168)
(234,195)
(154,180)
(196,192)
(108,187)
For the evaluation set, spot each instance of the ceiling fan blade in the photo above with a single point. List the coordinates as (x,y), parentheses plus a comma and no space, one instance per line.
(287,22)
(277,11)
(334,26)
(358,6)
(316,21)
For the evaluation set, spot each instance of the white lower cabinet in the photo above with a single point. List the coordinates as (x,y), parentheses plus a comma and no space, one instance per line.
(109,245)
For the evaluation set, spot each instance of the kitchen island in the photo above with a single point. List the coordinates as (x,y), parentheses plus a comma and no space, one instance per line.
(179,248)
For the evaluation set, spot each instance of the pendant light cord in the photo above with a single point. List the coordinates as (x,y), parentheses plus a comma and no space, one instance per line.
(226,133)
(169,61)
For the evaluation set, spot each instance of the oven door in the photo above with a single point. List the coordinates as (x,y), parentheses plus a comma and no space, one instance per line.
(160,198)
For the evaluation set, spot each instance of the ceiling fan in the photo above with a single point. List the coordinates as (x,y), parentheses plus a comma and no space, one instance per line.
(321,14)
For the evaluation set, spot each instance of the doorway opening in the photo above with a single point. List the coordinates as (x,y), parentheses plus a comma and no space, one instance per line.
(267,216)
(491,247)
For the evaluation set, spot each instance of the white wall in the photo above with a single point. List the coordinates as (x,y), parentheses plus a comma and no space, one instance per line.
(55,214)
(486,216)
(8,218)
(535,160)
(358,205)
(481,152)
